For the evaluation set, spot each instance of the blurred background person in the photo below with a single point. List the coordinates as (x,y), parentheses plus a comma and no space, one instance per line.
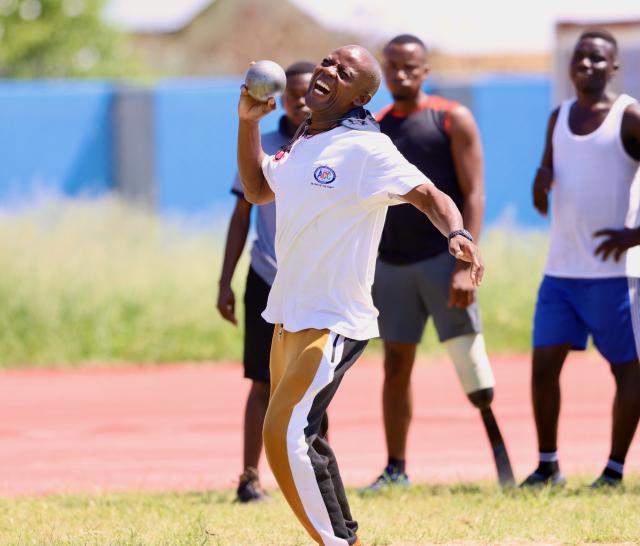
(262,271)
(592,276)
(416,277)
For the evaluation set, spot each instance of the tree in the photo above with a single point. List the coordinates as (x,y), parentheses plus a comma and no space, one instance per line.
(59,38)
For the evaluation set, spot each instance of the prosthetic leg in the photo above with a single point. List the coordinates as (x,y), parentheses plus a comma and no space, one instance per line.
(470,358)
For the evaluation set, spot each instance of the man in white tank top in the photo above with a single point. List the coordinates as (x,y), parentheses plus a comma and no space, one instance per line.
(592,275)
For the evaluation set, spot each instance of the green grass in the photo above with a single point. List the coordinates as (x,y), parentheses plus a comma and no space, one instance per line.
(466,514)
(99,282)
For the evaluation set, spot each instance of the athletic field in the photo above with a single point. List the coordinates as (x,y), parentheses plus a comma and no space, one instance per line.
(178,428)
(95,451)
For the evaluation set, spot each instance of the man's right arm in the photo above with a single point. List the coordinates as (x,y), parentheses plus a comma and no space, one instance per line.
(250,153)
(544,175)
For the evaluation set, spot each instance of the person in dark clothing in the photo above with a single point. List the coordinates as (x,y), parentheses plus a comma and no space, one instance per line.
(416,278)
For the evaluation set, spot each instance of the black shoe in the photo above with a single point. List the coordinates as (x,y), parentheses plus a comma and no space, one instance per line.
(387,480)
(605,481)
(249,489)
(537,479)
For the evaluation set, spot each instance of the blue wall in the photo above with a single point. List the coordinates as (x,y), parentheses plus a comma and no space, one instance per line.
(58,136)
(512,116)
(55,137)
(195,132)
(196,127)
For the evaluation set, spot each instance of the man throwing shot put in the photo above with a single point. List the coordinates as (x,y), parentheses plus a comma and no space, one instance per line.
(592,276)
(332,185)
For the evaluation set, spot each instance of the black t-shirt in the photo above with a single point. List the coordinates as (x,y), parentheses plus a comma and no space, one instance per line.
(422,137)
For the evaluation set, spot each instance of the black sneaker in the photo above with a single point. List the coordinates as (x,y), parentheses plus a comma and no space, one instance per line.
(605,481)
(388,479)
(537,479)
(249,489)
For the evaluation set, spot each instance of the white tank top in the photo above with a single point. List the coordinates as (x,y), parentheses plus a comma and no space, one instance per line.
(596,186)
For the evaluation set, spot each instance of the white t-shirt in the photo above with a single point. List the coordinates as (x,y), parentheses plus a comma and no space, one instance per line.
(332,192)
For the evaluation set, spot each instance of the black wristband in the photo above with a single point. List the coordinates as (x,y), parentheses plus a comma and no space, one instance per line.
(462,232)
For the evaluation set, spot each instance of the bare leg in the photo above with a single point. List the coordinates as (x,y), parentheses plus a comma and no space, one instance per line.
(255,410)
(545,393)
(626,408)
(397,403)
(545,396)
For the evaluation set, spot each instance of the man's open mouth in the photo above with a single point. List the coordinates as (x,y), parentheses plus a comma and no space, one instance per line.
(321,88)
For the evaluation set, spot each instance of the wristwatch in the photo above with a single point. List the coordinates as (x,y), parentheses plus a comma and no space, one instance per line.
(457,232)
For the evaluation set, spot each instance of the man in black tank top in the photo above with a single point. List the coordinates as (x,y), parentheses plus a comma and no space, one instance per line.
(415,276)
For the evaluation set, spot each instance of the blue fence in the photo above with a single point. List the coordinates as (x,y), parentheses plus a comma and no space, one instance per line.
(58,136)
(55,137)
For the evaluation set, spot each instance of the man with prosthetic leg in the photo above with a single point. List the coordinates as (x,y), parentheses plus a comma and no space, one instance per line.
(416,277)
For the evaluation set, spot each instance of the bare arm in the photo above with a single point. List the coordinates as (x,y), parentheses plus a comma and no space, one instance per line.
(236,239)
(438,206)
(250,153)
(466,151)
(544,175)
(617,241)
(630,130)
(445,216)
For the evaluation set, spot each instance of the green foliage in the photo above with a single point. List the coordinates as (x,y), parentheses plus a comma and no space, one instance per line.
(99,281)
(457,514)
(58,38)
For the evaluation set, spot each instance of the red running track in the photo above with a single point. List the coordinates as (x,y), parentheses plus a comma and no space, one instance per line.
(179,427)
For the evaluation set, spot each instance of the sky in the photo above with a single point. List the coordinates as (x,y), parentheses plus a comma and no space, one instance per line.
(457,26)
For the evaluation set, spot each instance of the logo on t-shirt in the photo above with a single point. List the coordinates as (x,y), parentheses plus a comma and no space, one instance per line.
(324,175)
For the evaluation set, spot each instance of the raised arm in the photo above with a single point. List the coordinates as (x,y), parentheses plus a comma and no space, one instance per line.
(443,213)
(544,175)
(250,153)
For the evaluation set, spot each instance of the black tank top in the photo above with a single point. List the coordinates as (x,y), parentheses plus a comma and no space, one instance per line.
(422,137)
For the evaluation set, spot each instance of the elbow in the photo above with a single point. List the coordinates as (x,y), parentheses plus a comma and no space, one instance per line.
(253,189)
(256,198)
(477,199)
(252,197)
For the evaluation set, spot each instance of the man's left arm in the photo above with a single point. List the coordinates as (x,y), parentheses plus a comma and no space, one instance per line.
(445,216)
(617,241)
(466,151)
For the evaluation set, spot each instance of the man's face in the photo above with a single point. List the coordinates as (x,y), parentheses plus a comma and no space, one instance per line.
(592,64)
(338,83)
(293,98)
(405,69)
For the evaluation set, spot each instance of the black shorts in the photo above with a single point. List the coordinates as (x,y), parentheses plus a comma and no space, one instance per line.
(257,331)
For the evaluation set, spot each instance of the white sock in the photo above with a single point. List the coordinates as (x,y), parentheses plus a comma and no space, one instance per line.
(548,456)
(616,466)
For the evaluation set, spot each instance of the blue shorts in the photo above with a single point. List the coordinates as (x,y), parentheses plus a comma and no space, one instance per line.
(569,310)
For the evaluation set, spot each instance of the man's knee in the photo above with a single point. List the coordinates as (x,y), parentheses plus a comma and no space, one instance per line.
(547,365)
(398,361)
(544,373)
(259,392)
(481,399)
(627,377)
